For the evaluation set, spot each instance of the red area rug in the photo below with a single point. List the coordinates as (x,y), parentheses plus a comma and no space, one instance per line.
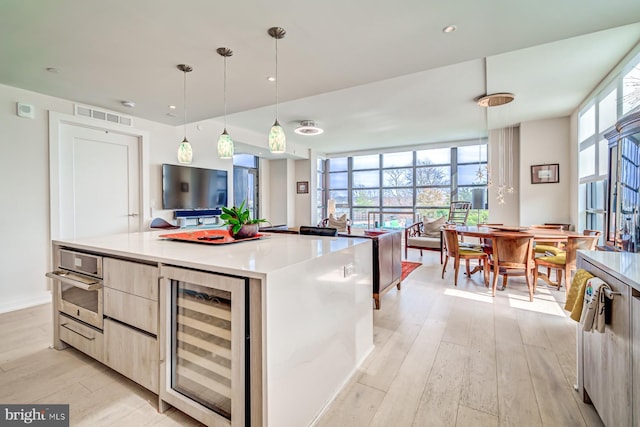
(408,267)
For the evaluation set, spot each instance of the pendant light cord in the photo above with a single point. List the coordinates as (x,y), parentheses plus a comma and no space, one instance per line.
(277,81)
(185,104)
(225,92)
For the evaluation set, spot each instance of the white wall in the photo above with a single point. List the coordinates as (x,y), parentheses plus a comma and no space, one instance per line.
(544,142)
(509,212)
(278,181)
(302,203)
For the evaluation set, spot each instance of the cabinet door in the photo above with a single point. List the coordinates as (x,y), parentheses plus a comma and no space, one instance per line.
(131,277)
(203,336)
(132,353)
(607,359)
(635,340)
(131,309)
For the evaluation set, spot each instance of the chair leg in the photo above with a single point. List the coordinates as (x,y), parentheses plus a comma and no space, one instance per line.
(505,279)
(468,269)
(444,267)
(567,279)
(559,275)
(485,269)
(455,277)
(535,278)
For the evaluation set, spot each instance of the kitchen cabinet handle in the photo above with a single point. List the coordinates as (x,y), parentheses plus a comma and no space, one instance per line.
(64,325)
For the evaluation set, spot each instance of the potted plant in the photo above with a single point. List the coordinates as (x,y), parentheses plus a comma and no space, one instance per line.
(239,221)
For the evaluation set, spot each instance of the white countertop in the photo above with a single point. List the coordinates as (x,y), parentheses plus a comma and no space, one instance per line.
(624,266)
(255,258)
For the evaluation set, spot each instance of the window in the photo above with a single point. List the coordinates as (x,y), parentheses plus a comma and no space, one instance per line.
(587,123)
(421,183)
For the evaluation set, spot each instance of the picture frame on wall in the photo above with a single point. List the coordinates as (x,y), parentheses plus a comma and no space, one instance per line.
(303,187)
(545,174)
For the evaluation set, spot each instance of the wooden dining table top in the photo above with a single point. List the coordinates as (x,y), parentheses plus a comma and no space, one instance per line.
(541,234)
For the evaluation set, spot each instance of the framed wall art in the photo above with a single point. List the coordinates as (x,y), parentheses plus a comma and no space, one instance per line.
(545,174)
(303,187)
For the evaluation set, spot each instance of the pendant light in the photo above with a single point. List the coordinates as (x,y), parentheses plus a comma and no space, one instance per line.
(277,138)
(185,153)
(225,143)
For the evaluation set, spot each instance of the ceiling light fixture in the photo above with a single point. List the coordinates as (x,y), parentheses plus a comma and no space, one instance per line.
(308,128)
(185,153)
(225,143)
(277,138)
(129,104)
(449,29)
(495,99)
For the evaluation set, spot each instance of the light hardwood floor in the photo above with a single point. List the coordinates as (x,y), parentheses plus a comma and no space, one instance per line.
(444,356)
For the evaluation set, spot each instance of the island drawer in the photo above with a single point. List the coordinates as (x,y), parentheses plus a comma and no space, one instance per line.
(78,335)
(131,277)
(132,353)
(131,309)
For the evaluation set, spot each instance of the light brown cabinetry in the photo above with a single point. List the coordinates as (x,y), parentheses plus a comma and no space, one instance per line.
(132,353)
(605,359)
(131,320)
(85,338)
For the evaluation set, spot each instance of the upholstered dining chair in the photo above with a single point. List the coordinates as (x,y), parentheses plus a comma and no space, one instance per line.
(453,250)
(564,262)
(513,255)
(341,223)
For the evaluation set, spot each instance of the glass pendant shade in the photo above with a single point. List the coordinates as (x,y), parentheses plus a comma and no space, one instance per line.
(225,146)
(277,139)
(185,153)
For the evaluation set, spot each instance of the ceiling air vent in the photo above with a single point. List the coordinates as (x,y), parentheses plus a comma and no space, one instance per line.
(101,114)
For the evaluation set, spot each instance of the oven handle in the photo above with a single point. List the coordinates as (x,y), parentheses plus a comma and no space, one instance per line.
(86,286)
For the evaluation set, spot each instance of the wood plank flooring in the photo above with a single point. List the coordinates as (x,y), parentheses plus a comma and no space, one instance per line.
(444,356)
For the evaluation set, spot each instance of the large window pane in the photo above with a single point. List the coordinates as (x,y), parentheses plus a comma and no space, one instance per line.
(438,156)
(587,123)
(587,164)
(431,214)
(341,196)
(631,89)
(608,111)
(397,178)
(393,160)
(338,180)
(360,217)
(472,154)
(245,160)
(366,179)
(471,174)
(397,197)
(366,162)
(433,175)
(433,197)
(603,157)
(366,197)
(338,164)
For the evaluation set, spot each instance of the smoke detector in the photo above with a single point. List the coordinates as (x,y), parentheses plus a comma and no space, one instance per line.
(308,127)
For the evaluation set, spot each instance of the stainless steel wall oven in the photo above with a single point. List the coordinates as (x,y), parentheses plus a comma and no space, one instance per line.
(80,292)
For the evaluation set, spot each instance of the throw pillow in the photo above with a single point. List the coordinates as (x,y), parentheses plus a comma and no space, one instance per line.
(432,228)
(339,223)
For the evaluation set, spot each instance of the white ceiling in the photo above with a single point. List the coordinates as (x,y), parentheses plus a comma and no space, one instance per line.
(372,73)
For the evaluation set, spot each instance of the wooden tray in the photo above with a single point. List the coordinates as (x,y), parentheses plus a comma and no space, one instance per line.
(209,237)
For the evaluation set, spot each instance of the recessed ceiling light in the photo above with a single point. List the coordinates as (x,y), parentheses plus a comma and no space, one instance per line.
(271,79)
(495,99)
(449,29)
(129,104)
(173,107)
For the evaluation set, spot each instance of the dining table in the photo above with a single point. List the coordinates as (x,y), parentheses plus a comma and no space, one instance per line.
(539,235)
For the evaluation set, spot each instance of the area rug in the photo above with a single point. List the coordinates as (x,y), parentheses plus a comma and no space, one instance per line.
(408,267)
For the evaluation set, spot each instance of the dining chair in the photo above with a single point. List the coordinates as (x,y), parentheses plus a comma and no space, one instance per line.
(565,262)
(452,249)
(513,256)
(592,233)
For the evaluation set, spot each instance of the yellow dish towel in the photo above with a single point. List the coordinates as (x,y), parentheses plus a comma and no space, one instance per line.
(575,298)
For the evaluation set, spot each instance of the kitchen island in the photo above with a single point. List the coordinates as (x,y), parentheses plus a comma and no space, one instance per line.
(264,332)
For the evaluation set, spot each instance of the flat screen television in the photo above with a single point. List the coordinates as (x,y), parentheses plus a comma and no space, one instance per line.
(185,187)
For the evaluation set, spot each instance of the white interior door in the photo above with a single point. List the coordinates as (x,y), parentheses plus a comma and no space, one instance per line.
(99,182)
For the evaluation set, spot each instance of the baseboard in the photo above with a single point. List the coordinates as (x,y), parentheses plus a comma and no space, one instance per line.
(43,297)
